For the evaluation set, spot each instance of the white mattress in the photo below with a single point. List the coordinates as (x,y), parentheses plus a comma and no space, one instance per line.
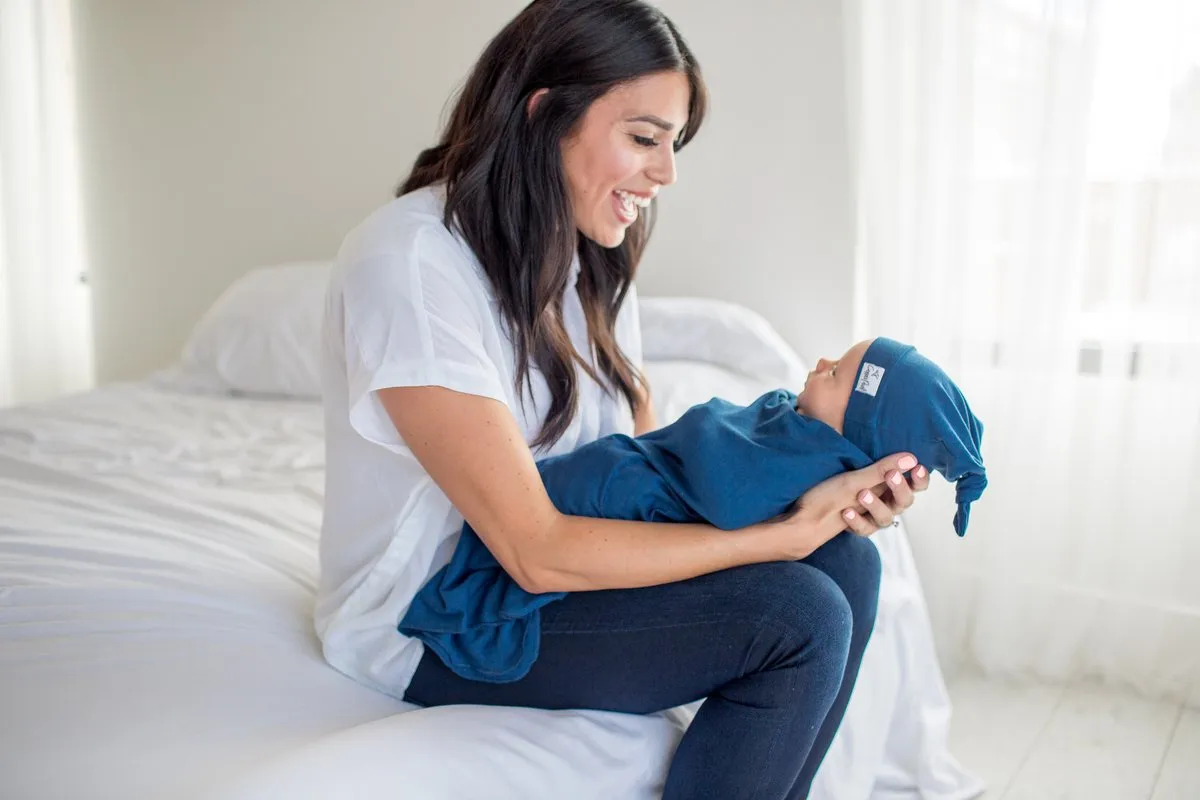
(157,573)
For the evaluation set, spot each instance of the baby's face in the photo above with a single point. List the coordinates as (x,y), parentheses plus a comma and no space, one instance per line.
(826,393)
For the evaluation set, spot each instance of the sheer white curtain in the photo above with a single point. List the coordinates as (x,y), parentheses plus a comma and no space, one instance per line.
(1028,177)
(45,312)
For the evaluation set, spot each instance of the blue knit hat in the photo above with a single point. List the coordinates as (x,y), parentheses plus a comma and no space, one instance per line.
(903,402)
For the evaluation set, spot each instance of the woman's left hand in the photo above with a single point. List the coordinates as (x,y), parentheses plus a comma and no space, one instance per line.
(896,494)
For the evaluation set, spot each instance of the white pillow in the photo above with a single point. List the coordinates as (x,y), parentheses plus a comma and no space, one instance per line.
(676,386)
(721,333)
(263,334)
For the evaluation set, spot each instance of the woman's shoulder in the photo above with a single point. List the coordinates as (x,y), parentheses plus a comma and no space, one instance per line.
(406,235)
(396,226)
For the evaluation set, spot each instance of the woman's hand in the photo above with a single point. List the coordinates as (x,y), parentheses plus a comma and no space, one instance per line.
(863,501)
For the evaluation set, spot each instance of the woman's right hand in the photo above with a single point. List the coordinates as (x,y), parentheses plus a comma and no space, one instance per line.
(835,505)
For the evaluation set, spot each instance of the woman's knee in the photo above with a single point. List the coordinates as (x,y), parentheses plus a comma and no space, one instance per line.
(854,565)
(803,608)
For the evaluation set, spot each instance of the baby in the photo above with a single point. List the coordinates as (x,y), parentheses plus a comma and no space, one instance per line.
(730,466)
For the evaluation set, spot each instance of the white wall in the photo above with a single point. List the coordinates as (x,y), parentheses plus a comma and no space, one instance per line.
(222,134)
(762,212)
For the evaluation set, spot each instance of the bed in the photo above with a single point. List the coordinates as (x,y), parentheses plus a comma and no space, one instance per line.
(158,569)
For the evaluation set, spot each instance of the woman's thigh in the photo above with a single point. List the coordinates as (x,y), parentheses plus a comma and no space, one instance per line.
(647,649)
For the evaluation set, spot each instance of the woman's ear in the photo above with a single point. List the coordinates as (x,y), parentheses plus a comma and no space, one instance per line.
(534,99)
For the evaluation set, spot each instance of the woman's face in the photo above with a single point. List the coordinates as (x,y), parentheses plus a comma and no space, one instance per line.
(622,152)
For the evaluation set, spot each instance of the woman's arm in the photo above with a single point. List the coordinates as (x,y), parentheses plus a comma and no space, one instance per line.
(472,448)
(644,420)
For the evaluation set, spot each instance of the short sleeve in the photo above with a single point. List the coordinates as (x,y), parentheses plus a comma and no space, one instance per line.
(415,318)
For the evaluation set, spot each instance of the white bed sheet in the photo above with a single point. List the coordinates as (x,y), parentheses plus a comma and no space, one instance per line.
(157,573)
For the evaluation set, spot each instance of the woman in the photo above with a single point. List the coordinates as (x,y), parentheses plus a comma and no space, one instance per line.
(487,317)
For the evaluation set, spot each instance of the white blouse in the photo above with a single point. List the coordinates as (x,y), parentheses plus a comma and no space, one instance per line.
(409,305)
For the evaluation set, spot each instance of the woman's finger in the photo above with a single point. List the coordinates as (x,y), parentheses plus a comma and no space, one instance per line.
(876,509)
(876,475)
(857,523)
(900,494)
(919,480)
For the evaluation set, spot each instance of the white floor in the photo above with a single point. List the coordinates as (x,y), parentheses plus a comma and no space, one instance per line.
(1083,741)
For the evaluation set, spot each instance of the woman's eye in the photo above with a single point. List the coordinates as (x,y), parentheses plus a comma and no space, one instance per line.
(645,141)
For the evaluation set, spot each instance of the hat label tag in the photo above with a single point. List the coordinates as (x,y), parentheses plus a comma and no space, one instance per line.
(869,379)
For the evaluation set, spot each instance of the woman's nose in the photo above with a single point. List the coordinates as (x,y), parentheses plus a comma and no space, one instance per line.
(823,364)
(662,171)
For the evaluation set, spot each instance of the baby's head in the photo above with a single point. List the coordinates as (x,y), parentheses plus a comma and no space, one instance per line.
(827,391)
(887,398)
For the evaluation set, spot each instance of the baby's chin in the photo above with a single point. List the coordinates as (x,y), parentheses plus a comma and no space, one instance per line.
(801,406)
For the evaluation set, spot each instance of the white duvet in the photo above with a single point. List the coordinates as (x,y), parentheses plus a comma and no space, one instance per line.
(157,572)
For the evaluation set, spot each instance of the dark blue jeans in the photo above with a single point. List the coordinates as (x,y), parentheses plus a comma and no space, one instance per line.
(775,648)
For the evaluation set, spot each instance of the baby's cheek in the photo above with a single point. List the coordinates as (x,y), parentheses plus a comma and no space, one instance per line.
(844,403)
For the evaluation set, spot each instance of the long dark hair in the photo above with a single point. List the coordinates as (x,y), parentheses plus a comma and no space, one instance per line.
(506,192)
